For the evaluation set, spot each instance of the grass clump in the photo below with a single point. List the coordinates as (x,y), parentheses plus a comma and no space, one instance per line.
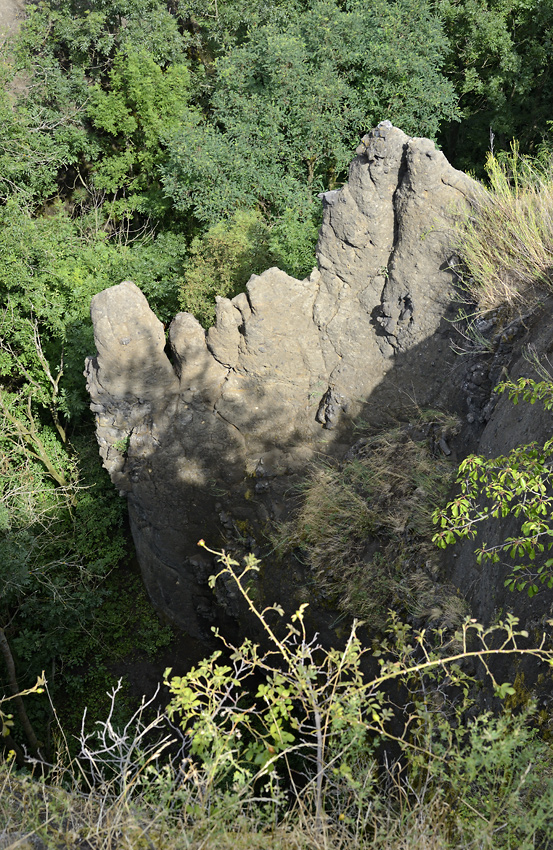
(507,243)
(364,527)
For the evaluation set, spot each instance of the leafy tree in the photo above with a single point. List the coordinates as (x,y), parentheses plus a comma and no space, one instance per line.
(500,63)
(103,79)
(141,103)
(298,717)
(291,96)
(30,158)
(292,239)
(222,260)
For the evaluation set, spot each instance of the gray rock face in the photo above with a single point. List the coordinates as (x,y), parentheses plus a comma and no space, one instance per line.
(11,14)
(214,435)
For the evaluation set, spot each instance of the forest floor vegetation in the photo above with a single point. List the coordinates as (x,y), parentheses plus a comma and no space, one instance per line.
(295,747)
(364,527)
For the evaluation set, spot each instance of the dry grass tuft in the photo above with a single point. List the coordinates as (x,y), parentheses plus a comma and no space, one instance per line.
(507,246)
(42,815)
(365,526)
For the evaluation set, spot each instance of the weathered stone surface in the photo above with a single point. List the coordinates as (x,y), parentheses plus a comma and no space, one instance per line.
(12,13)
(213,439)
(130,343)
(383,254)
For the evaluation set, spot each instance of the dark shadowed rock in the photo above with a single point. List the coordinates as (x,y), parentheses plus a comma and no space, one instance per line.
(497,426)
(213,438)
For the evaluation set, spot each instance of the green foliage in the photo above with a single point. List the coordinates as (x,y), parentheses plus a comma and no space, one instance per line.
(127,615)
(221,262)
(500,63)
(50,272)
(122,628)
(67,602)
(498,767)
(516,485)
(306,707)
(291,93)
(292,240)
(100,86)
(56,547)
(259,718)
(140,104)
(29,160)
(224,257)
(281,750)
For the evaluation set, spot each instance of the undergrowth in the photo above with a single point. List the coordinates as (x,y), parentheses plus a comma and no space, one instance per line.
(297,746)
(364,526)
(120,630)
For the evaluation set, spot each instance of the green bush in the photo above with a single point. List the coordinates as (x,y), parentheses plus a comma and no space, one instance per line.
(298,746)
(303,719)
(517,485)
(499,768)
(223,258)
(221,262)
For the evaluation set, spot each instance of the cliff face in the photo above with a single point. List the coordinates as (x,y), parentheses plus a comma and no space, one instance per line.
(211,436)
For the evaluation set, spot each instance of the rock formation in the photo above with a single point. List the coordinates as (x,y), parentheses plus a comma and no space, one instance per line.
(211,435)
(493,426)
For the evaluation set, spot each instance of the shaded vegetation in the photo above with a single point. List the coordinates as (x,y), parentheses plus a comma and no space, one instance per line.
(364,527)
(293,759)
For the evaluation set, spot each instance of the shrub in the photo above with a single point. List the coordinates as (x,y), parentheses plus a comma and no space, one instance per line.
(222,261)
(224,257)
(297,746)
(517,485)
(306,720)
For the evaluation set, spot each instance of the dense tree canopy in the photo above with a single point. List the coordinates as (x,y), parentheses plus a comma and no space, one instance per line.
(291,97)
(500,64)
